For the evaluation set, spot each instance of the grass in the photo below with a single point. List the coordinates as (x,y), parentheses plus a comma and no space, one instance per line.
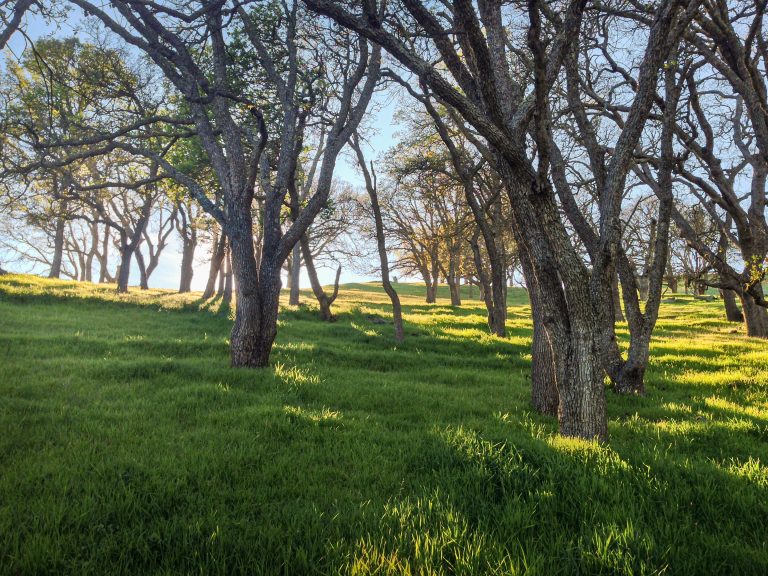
(127,444)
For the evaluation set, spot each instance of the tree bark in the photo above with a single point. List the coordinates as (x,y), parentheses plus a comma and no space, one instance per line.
(431,285)
(217,257)
(187,265)
(755,316)
(124,271)
(258,298)
(544,370)
(732,312)
(294,275)
(143,276)
(324,300)
(104,275)
(453,288)
(58,241)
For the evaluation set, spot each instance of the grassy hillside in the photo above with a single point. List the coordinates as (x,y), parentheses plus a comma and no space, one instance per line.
(127,444)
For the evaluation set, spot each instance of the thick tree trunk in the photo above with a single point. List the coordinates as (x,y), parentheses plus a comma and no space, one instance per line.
(582,396)
(258,297)
(124,271)
(544,370)
(565,308)
(453,288)
(187,263)
(755,317)
(294,275)
(672,280)
(732,312)
(431,286)
(217,257)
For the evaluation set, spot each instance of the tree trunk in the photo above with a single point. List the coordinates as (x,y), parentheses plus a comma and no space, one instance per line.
(565,307)
(58,244)
(494,295)
(371,187)
(124,272)
(544,377)
(187,265)
(642,285)
(672,280)
(435,280)
(217,257)
(453,282)
(294,275)
(324,300)
(431,286)
(732,312)
(755,317)
(104,258)
(258,298)
(143,276)
(453,288)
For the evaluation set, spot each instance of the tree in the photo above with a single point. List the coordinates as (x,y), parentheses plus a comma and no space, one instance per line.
(371,186)
(479,86)
(248,143)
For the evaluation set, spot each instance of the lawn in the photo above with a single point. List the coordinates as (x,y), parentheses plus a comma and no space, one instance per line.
(128,445)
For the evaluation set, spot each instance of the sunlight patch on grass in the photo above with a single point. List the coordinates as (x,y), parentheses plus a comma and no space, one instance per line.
(324,416)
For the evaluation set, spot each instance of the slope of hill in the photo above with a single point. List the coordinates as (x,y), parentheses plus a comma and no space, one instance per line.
(127,444)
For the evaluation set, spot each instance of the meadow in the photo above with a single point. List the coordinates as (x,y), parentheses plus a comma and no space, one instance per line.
(129,446)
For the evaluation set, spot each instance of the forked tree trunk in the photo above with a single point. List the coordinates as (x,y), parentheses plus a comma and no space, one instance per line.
(431,286)
(563,307)
(324,300)
(672,281)
(294,275)
(258,297)
(494,295)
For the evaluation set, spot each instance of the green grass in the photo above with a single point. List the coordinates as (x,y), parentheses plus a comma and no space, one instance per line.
(127,444)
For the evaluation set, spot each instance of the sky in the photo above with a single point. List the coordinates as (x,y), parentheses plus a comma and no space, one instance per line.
(381,134)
